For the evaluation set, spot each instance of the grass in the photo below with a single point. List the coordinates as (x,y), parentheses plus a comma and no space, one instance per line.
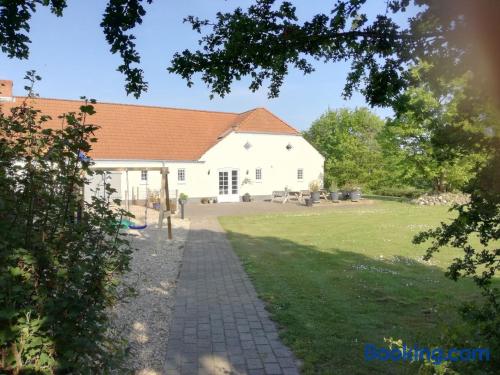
(339,279)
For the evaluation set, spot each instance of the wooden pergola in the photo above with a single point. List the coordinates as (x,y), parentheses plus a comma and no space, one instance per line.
(164,193)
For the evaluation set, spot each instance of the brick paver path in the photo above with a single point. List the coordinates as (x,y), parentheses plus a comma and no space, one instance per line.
(219,324)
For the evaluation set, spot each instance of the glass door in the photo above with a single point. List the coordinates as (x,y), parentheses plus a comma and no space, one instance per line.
(228,185)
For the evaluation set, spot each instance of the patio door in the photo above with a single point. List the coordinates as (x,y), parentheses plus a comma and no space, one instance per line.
(228,185)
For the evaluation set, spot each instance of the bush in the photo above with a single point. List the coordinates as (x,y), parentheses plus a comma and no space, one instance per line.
(350,186)
(60,257)
(315,185)
(402,191)
(333,186)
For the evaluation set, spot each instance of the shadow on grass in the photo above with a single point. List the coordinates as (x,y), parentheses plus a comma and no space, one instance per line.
(330,302)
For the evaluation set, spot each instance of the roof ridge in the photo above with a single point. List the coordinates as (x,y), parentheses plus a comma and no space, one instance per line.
(136,105)
(240,123)
(279,119)
(245,115)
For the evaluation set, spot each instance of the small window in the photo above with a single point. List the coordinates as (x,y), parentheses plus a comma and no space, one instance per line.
(300,174)
(144,175)
(181,175)
(258,174)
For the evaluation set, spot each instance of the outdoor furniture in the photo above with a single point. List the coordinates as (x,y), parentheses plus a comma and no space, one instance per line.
(279,194)
(304,194)
(323,193)
(294,195)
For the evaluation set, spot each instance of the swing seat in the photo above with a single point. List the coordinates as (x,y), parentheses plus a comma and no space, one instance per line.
(138,226)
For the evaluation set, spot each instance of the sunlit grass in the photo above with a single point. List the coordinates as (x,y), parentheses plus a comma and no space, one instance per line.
(339,279)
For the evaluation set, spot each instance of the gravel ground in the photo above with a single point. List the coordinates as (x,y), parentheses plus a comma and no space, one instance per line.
(144,318)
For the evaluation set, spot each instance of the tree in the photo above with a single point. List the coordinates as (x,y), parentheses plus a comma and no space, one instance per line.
(433,147)
(264,41)
(119,18)
(267,39)
(60,256)
(347,139)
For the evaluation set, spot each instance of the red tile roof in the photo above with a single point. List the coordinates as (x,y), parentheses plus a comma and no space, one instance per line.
(134,132)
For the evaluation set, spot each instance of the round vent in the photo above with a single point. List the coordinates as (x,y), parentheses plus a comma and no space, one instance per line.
(289,146)
(247,145)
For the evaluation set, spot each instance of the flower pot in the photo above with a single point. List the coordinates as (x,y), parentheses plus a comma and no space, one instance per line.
(355,195)
(246,198)
(334,196)
(309,202)
(315,196)
(182,202)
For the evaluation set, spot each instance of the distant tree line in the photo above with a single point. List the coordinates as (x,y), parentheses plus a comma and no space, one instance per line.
(422,148)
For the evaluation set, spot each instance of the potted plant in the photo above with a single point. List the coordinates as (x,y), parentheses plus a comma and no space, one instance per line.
(352,191)
(183,198)
(355,193)
(334,192)
(314,187)
(246,197)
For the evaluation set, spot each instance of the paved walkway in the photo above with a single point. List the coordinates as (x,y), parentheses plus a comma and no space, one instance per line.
(219,324)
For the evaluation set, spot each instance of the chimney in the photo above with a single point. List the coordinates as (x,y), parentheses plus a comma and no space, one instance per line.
(6,90)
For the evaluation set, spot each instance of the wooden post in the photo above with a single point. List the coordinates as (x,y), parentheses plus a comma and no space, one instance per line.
(165,202)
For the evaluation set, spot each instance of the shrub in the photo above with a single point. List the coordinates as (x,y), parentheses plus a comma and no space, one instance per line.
(183,197)
(400,191)
(333,186)
(60,256)
(351,186)
(314,185)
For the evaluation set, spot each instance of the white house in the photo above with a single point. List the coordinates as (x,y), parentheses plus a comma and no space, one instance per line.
(209,154)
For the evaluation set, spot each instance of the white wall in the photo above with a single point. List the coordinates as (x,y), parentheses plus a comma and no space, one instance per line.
(268,152)
(135,183)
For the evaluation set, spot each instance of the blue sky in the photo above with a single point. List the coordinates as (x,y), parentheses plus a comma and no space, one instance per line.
(73,58)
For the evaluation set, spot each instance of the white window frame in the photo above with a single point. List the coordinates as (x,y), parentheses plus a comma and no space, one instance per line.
(144,175)
(257,177)
(300,174)
(181,172)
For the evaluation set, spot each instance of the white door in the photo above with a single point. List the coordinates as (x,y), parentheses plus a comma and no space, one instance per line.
(228,185)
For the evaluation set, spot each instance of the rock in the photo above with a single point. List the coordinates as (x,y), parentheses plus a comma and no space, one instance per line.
(443,199)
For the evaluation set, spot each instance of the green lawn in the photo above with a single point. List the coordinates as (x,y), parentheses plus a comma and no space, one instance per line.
(339,279)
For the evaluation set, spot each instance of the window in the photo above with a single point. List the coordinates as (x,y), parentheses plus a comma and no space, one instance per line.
(223,182)
(258,174)
(234,182)
(181,175)
(144,175)
(300,174)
